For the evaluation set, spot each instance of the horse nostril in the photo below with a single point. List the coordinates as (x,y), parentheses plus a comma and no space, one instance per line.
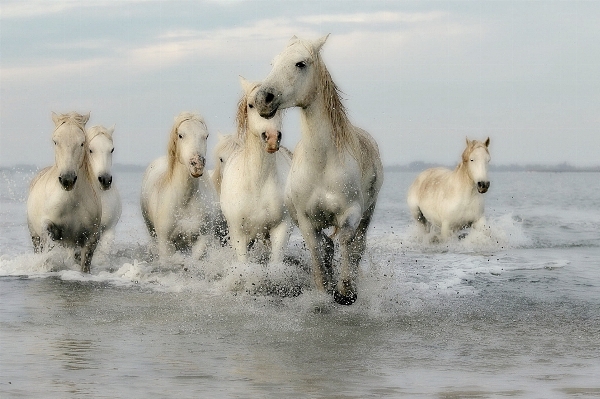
(278,136)
(263,135)
(269,98)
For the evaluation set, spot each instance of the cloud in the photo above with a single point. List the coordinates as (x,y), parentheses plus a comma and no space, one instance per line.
(36,8)
(374,18)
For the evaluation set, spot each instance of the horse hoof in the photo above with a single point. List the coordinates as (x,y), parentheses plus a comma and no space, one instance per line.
(345,300)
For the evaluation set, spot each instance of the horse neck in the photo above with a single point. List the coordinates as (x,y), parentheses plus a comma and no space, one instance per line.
(317,130)
(462,173)
(259,163)
(180,179)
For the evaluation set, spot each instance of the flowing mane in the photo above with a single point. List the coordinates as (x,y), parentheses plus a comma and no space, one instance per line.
(345,135)
(336,111)
(241,117)
(173,136)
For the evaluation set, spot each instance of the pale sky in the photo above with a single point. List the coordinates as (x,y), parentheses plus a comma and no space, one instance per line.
(419,76)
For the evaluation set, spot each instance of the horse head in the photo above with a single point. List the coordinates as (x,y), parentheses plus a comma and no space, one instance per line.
(101,148)
(189,143)
(70,149)
(250,122)
(294,78)
(476,158)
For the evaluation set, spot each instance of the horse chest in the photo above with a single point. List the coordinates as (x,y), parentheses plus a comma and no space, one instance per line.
(466,209)
(326,191)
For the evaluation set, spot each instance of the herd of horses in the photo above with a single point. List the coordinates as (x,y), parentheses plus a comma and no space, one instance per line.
(258,190)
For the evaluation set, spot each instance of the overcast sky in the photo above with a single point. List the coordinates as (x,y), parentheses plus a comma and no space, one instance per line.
(419,76)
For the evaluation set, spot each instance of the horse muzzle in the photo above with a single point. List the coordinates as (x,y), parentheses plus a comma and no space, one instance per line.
(67,180)
(272,139)
(105,181)
(483,186)
(266,102)
(197,166)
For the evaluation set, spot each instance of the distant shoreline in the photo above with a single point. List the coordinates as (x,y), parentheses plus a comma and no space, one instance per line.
(411,167)
(557,168)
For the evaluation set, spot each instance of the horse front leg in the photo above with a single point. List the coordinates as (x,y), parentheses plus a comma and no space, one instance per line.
(87,252)
(353,237)
(203,242)
(445,230)
(321,251)
(239,242)
(280,236)
(38,246)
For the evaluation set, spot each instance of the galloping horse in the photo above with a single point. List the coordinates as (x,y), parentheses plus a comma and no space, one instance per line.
(101,148)
(336,171)
(63,205)
(452,200)
(253,182)
(179,203)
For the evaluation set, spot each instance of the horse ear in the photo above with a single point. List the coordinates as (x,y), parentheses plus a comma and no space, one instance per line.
(55,119)
(85,118)
(247,86)
(487,142)
(468,141)
(320,42)
(111,130)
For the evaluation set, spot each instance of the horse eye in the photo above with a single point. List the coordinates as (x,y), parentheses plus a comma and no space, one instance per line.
(220,159)
(301,64)
(250,106)
(472,160)
(82,144)
(90,151)
(180,136)
(111,151)
(55,142)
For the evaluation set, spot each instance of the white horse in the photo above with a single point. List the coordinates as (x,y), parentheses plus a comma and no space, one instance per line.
(253,185)
(226,145)
(336,170)
(63,205)
(179,203)
(452,199)
(101,148)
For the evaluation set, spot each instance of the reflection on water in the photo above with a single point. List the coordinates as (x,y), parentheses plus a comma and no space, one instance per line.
(74,354)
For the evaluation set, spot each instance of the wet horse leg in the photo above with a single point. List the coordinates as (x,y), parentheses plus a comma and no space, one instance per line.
(321,251)
(352,247)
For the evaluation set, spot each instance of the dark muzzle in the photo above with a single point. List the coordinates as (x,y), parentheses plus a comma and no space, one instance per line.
(483,186)
(67,180)
(105,181)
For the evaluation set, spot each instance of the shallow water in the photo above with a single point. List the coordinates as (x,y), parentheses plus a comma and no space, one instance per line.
(513,311)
